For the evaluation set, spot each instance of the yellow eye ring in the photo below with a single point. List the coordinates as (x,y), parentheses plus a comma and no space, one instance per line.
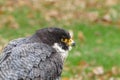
(67,41)
(64,40)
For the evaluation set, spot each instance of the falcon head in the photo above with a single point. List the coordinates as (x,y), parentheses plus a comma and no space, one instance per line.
(56,37)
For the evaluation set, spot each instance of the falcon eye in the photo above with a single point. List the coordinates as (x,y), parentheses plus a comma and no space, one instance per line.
(68,42)
(64,40)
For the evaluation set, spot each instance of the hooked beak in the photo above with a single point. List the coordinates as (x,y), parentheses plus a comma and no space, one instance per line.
(73,44)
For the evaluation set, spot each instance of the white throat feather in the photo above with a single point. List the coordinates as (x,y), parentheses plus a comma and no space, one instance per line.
(62,52)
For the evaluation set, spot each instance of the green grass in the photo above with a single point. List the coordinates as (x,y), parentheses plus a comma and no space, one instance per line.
(106,53)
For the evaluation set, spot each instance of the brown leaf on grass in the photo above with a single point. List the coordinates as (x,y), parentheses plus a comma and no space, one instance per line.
(77,77)
(90,75)
(114,13)
(21,2)
(50,2)
(66,17)
(118,23)
(83,64)
(92,3)
(81,36)
(14,25)
(31,15)
(111,2)
(115,71)
(1,11)
(52,14)
(108,74)
(93,16)
(11,22)
(66,68)
(98,70)
(107,18)
(80,3)
(112,78)
(65,78)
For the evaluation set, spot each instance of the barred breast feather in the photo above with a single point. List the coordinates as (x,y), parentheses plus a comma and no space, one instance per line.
(25,60)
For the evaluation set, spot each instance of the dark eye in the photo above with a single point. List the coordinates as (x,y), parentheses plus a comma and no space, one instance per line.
(64,40)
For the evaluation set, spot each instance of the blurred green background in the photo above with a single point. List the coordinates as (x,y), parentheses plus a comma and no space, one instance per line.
(95,25)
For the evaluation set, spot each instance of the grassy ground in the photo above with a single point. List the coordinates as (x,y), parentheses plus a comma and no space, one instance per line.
(98,48)
(97,52)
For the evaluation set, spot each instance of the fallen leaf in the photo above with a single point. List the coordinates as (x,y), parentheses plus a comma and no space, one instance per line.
(111,2)
(93,16)
(78,77)
(1,12)
(112,78)
(12,22)
(52,14)
(92,3)
(80,3)
(83,64)
(98,70)
(65,78)
(107,18)
(115,71)
(108,74)
(81,36)
(90,75)
(114,14)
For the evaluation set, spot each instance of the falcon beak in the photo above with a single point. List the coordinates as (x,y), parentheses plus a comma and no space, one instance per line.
(73,44)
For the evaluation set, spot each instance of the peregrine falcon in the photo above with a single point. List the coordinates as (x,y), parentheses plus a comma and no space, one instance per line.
(38,57)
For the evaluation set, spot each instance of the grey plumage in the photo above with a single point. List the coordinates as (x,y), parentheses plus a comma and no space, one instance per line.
(35,57)
(23,60)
